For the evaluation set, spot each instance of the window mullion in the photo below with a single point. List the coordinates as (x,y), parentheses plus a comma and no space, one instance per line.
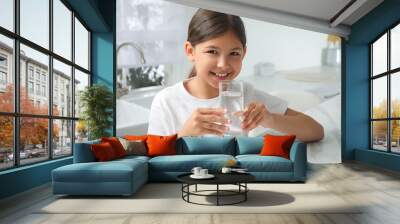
(73,82)
(389,106)
(371,89)
(16,83)
(50,81)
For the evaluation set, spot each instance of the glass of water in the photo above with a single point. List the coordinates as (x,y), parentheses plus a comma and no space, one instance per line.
(231,98)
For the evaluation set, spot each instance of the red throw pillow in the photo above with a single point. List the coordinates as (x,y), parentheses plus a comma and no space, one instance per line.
(277,145)
(116,145)
(103,151)
(161,145)
(136,137)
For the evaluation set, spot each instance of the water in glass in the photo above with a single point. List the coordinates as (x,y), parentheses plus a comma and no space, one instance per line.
(231,98)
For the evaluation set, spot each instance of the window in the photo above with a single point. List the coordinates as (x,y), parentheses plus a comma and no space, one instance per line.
(30,87)
(34,22)
(3,72)
(385,94)
(38,89)
(62,29)
(81,45)
(7,14)
(55,101)
(62,74)
(6,73)
(37,75)
(43,90)
(30,72)
(3,61)
(81,81)
(3,78)
(54,125)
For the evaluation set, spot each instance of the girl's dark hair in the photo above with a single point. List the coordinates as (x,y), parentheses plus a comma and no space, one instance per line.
(206,25)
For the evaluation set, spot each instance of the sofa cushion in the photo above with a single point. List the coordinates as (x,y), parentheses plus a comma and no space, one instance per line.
(136,137)
(129,159)
(111,171)
(103,151)
(277,145)
(134,147)
(249,145)
(161,145)
(116,145)
(206,145)
(185,163)
(257,163)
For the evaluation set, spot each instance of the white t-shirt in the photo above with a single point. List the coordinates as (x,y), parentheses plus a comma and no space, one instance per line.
(173,106)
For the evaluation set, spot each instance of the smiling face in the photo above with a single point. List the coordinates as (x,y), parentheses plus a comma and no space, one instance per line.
(216,59)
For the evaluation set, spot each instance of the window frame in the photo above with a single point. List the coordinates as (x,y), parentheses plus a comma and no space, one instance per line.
(388,74)
(16,115)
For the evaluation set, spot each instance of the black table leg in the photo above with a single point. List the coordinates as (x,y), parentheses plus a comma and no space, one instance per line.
(217,194)
(245,193)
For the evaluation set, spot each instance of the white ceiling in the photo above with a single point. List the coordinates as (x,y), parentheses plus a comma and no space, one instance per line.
(314,15)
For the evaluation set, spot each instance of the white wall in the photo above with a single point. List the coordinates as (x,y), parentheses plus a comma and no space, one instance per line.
(286,47)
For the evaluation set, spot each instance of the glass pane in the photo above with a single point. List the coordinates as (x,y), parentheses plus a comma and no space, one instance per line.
(81,131)
(395,136)
(379,135)
(35,21)
(62,89)
(34,97)
(6,142)
(379,97)
(6,74)
(395,47)
(62,137)
(395,94)
(81,81)
(7,14)
(379,55)
(33,139)
(62,29)
(81,45)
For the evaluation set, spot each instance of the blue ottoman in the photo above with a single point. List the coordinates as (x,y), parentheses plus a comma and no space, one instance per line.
(119,177)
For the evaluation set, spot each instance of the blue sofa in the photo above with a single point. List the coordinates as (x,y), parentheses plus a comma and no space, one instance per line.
(126,175)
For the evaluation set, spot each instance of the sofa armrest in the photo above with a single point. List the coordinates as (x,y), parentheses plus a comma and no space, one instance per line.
(298,155)
(83,152)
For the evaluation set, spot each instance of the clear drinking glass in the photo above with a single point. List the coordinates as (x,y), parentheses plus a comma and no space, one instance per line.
(231,98)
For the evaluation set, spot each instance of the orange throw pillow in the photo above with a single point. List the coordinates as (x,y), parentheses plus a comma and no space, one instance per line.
(277,145)
(136,137)
(116,145)
(161,145)
(103,151)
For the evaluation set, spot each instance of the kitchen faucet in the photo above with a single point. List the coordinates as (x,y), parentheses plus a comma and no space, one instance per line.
(120,81)
(137,47)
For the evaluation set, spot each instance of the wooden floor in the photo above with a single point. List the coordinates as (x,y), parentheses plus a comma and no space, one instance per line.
(378,188)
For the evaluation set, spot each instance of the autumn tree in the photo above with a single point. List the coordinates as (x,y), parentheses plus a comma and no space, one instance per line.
(33,130)
(380,127)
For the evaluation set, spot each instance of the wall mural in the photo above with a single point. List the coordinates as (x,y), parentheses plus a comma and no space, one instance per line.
(299,66)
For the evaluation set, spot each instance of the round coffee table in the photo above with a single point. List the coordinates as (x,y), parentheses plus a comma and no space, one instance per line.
(238,179)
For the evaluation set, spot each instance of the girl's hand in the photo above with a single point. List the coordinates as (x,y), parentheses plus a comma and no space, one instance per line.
(255,114)
(205,121)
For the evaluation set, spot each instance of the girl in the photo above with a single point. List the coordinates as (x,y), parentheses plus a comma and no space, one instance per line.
(216,45)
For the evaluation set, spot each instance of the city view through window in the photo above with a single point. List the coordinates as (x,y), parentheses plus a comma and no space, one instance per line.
(39,113)
(385,80)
